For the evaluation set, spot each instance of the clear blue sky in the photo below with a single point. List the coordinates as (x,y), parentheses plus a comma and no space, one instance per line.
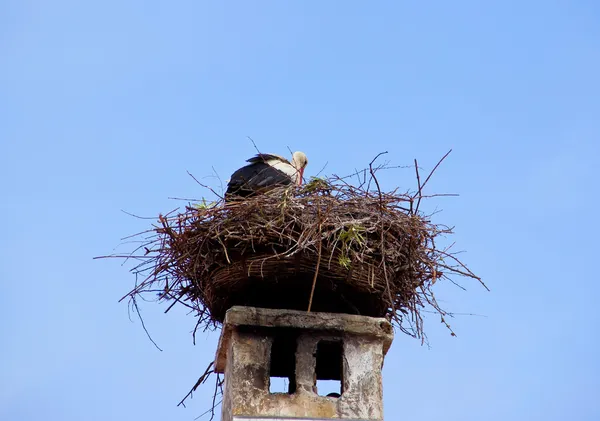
(105,105)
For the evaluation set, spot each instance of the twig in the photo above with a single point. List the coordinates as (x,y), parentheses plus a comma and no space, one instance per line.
(218,178)
(187,199)
(137,309)
(254,144)
(383,256)
(208,410)
(209,370)
(418,185)
(373,173)
(314,284)
(138,217)
(212,412)
(205,186)
(322,168)
(429,176)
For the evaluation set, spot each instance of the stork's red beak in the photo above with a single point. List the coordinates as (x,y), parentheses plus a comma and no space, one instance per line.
(300,174)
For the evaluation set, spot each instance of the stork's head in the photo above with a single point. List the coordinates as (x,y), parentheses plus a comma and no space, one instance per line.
(299,161)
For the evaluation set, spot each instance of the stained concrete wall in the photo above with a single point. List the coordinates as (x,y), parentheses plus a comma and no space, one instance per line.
(244,356)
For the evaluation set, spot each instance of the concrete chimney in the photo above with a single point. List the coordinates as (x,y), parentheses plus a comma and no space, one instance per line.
(258,345)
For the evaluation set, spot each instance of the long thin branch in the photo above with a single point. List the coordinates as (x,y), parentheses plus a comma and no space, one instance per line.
(137,309)
(418,185)
(205,186)
(254,144)
(429,176)
(209,370)
(383,255)
(314,284)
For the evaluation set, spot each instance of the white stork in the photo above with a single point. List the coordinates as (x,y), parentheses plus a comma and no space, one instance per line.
(266,171)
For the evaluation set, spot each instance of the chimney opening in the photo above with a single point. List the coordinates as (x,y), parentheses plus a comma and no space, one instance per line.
(282,370)
(329,371)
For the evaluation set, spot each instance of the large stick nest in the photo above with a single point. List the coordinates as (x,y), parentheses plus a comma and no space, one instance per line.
(328,246)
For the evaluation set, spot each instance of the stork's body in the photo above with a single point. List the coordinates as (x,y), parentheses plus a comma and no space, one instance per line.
(264,172)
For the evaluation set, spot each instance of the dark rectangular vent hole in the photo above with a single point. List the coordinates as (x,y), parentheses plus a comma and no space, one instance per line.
(282,374)
(329,368)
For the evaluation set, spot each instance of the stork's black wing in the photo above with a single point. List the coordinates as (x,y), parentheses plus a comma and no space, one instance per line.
(254,178)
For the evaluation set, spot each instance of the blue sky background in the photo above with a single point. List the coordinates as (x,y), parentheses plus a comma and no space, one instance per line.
(105,105)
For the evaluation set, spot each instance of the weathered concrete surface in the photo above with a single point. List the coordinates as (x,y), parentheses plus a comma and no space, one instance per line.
(244,355)
(342,323)
(363,388)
